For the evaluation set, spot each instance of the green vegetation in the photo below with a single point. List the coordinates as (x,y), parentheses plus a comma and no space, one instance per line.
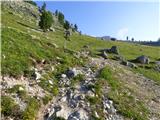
(17,89)
(106,74)
(19,46)
(31,110)
(125,103)
(77,79)
(7,105)
(46,99)
(53,89)
(128,106)
(149,73)
(66,25)
(31,2)
(61,18)
(23,43)
(46,19)
(59,118)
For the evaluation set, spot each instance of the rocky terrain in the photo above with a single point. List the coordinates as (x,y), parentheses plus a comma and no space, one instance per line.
(89,80)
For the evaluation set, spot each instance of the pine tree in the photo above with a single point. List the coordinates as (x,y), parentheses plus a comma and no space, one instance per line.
(56,12)
(75,27)
(66,25)
(46,20)
(61,18)
(43,7)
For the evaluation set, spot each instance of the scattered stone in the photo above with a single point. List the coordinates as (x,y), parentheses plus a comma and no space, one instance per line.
(90,93)
(52,29)
(104,55)
(96,114)
(63,75)
(72,73)
(78,115)
(50,82)
(73,103)
(21,89)
(52,68)
(129,64)
(4,56)
(37,75)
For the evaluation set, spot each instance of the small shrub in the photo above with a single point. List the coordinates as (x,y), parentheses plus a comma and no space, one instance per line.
(46,20)
(15,89)
(7,105)
(106,73)
(59,118)
(93,100)
(55,90)
(46,99)
(77,79)
(31,109)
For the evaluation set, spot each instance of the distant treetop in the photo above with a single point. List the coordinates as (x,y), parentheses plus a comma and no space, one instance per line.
(31,2)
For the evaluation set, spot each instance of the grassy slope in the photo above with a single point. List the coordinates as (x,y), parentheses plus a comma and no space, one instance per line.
(18,45)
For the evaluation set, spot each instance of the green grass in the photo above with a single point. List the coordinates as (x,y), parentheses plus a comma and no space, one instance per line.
(149,73)
(31,109)
(46,99)
(18,45)
(126,103)
(19,48)
(21,93)
(106,74)
(7,105)
(77,79)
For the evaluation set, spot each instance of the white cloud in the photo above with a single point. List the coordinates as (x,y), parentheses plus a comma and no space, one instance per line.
(122,33)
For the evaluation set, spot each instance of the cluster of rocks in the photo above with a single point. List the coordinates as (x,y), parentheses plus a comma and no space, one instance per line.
(25,85)
(71,102)
(114,49)
(83,54)
(129,64)
(110,110)
(21,7)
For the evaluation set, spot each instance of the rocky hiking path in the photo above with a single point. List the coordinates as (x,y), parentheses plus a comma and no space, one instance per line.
(70,103)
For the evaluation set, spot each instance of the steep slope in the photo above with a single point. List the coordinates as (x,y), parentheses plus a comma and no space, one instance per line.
(35,67)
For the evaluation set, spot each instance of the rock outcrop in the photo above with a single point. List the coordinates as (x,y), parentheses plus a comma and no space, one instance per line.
(142,59)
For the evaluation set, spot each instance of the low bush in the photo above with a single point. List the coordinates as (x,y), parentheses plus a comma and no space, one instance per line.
(7,105)
(46,99)
(31,109)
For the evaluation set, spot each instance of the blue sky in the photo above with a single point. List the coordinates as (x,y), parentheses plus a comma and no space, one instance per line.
(140,20)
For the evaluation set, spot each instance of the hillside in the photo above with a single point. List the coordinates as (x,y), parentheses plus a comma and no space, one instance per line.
(42,80)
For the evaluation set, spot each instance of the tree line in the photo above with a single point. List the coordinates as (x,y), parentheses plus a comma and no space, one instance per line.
(46,20)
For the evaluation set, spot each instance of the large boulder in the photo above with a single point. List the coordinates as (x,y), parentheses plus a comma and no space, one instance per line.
(142,59)
(114,49)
